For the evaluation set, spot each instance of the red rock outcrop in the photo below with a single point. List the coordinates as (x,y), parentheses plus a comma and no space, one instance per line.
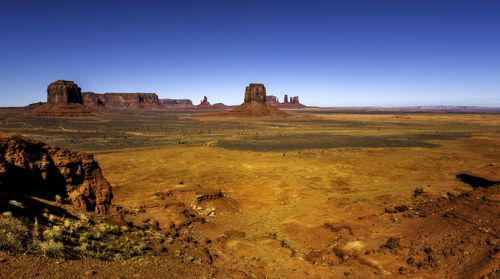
(272,99)
(64,99)
(254,106)
(122,101)
(204,102)
(64,92)
(255,92)
(289,103)
(176,103)
(34,168)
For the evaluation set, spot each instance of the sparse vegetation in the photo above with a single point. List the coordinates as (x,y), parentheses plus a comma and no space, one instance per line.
(59,237)
(15,234)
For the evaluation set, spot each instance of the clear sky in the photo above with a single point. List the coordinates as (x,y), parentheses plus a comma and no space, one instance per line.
(330,53)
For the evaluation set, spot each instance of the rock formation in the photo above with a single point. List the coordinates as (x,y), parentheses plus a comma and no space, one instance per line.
(64,92)
(254,105)
(122,101)
(179,103)
(290,103)
(64,99)
(272,99)
(204,102)
(34,168)
(255,92)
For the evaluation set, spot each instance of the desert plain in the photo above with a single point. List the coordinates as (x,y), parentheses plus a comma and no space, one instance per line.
(319,194)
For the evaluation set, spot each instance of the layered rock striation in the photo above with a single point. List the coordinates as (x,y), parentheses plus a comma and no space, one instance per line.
(64,92)
(64,99)
(33,168)
(176,103)
(122,101)
(272,99)
(255,92)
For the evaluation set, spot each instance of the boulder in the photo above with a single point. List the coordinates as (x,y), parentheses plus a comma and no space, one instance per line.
(64,92)
(37,169)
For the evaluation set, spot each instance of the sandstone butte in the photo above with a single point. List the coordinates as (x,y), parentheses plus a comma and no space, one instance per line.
(64,92)
(122,101)
(32,168)
(64,99)
(294,102)
(176,103)
(255,105)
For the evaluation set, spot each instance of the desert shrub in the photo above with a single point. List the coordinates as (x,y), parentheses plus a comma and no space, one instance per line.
(58,199)
(51,248)
(14,235)
(58,237)
(54,233)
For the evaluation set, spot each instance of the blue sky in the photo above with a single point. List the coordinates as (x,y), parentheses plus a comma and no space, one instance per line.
(330,53)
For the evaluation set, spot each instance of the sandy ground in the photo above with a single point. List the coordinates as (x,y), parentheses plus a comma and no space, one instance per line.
(327,212)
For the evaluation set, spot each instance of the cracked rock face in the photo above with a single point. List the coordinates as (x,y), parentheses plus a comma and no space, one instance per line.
(255,92)
(64,92)
(37,169)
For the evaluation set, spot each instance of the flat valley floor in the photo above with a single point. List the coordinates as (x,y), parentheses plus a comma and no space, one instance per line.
(319,195)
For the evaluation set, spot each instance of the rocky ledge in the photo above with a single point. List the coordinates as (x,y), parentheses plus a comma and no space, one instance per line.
(33,168)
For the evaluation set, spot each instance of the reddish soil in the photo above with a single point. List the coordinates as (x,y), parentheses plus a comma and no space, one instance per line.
(252,109)
(63,110)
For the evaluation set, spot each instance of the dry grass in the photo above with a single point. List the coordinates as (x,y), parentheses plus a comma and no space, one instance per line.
(67,238)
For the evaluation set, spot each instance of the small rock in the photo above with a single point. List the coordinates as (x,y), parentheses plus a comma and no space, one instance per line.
(190,259)
(418,191)
(153,224)
(90,272)
(401,208)
(392,243)
(401,270)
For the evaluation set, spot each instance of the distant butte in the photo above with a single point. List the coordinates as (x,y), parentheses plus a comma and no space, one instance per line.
(176,103)
(64,92)
(122,101)
(254,106)
(204,102)
(64,99)
(255,92)
(292,103)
